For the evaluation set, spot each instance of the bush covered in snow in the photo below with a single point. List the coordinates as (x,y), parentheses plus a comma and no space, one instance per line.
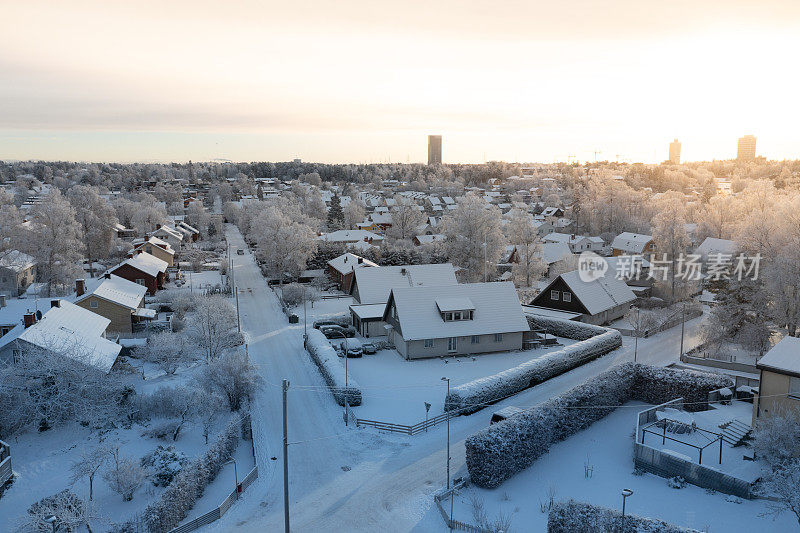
(164,463)
(496,453)
(479,393)
(188,484)
(570,516)
(324,356)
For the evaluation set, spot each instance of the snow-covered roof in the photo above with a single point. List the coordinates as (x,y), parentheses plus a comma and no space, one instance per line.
(497,310)
(783,357)
(631,242)
(169,232)
(149,264)
(713,246)
(16,260)
(564,238)
(374,284)
(600,294)
(186,226)
(555,251)
(429,239)
(350,235)
(369,310)
(118,290)
(347,262)
(74,332)
(454,303)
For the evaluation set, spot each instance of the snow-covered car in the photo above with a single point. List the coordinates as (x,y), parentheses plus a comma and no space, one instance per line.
(504,413)
(332,331)
(369,348)
(354,350)
(239,252)
(320,323)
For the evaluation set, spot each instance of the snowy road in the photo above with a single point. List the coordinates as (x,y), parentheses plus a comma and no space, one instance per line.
(348,479)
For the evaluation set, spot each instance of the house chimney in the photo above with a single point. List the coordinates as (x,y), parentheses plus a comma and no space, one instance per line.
(107,275)
(360,260)
(158,226)
(80,287)
(55,303)
(2,300)
(28,319)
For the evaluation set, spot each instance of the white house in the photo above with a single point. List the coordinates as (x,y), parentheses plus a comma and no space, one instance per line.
(599,301)
(470,318)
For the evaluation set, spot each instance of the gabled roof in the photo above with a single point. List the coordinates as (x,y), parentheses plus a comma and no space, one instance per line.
(156,242)
(784,357)
(146,263)
(348,262)
(170,232)
(187,227)
(554,251)
(713,246)
(119,291)
(430,239)
(599,295)
(16,260)
(350,235)
(631,242)
(375,284)
(74,332)
(497,310)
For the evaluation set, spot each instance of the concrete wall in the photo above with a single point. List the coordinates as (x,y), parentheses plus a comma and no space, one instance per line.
(417,349)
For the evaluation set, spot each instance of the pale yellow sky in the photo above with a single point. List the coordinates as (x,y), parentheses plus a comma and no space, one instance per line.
(367,81)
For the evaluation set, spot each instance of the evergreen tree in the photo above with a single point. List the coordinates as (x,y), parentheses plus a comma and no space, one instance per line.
(335,214)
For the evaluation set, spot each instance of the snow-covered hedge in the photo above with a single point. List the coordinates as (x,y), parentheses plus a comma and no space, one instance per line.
(332,370)
(571,516)
(188,485)
(569,329)
(496,453)
(479,393)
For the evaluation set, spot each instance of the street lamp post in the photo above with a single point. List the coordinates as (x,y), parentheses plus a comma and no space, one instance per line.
(345,376)
(636,341)
(683,324)
(448,436)
(625,494)
(235,473)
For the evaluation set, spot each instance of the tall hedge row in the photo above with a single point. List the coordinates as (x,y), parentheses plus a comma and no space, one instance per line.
(496,453)
(595,341)
(332,370)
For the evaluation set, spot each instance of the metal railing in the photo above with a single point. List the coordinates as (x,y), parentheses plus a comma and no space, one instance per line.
(414,429)
(5,463)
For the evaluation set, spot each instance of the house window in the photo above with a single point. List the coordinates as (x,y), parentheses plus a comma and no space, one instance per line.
(452,344)
(429,343)
(140,281)
(457,315)
(794,388)
(448,317)
(475,339)
(17,355)
(93,304)
(554,295)
(498,337)
(566,296)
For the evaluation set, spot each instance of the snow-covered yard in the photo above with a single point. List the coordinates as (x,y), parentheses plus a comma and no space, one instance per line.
(606,448)
(322,309)
(395,390)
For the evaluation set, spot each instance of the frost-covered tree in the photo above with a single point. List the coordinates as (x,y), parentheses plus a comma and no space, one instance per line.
(214,326)
(669,233)
(474,239)
(525,237)
(97,219)
(88,464)
(353,214)
(776,441)
(232,377)
(406,219)
(56,241)
(167,350)
(283,244)
(197,216)
(63,512)
(335,214)
(124,474)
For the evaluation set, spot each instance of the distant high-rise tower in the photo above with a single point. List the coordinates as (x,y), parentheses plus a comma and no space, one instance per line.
(747,148)
(434,149)
(675,152)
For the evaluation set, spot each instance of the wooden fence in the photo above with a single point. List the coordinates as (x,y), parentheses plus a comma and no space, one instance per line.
(449,522)
(406,429)
(5,463)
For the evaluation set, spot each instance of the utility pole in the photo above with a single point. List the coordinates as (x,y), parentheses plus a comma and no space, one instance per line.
(683,324)
(636,342)
(484,261)
(285,462)
(448,436)
(238,320)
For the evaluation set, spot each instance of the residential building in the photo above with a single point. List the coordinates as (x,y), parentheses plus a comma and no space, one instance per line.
(675,152)
(599,301)
(746,150)
(371,288)
(628,243)
(17,272)
(576,243)
(352,236)
(172,236)
(463,319)
(340,269)
(117,299)
(712,248)
(143,269)
(420,240)
(434,149)
(779,382)
(65,330)
(156,247)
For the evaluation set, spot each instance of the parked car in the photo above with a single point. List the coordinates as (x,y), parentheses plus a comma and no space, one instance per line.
(337,331)
(354,348)
(369,348)
(239,252)
(504,413)
(320,323)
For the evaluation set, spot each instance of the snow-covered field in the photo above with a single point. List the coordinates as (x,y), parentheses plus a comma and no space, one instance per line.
(606,447)
(395,390)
